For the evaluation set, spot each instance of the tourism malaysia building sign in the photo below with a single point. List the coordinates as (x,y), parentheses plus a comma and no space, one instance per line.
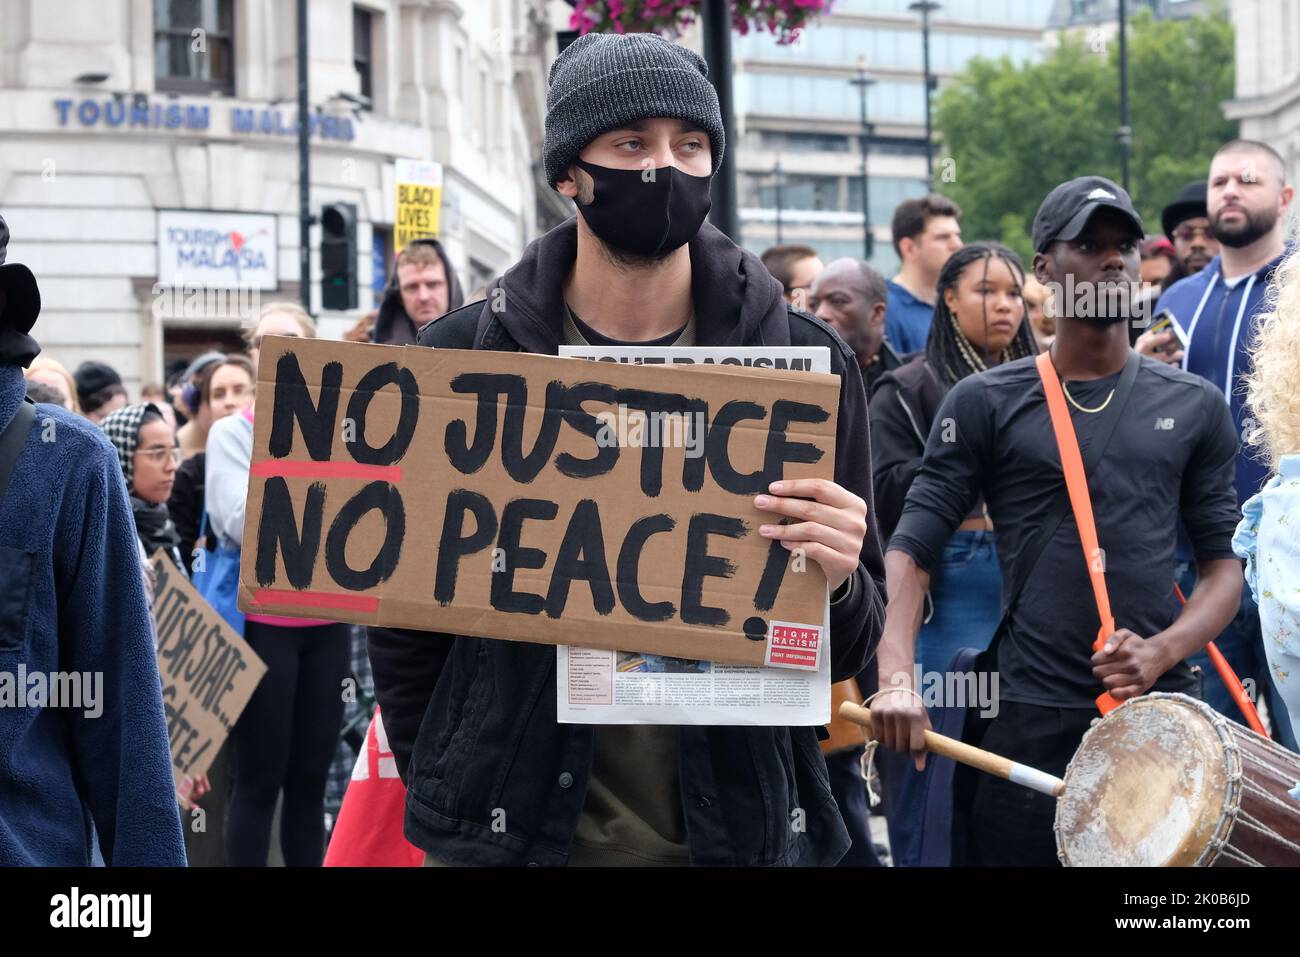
(217,250)
(138,111)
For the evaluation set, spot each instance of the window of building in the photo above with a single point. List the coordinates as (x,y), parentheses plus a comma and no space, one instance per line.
(194,46)
(797,191)
(798,142)
(363,52)
(886,193)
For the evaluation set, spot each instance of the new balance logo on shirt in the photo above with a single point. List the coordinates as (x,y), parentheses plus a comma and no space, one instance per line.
(1164,425)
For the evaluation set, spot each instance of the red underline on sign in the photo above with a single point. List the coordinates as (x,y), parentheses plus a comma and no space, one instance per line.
(315,599)
(378,473)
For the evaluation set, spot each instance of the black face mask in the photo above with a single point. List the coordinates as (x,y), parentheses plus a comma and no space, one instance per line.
(646,213)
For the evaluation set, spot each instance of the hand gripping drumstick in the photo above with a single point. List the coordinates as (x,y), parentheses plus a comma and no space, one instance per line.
(969,755)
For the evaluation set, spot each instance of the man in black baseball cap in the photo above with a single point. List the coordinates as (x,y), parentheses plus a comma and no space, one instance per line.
(1069,212)
(1066,211)
(1186,221)
(1160,446)
(20,304)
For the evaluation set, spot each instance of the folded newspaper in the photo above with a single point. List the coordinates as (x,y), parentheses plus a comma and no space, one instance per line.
(595,686)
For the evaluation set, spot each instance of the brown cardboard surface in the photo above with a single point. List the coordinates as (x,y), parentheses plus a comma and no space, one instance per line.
(208,671)
(358,468)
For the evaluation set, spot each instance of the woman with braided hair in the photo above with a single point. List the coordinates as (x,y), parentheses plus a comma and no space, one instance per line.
(979,322)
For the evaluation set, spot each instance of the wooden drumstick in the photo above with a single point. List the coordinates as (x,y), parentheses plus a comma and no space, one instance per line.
(971,756)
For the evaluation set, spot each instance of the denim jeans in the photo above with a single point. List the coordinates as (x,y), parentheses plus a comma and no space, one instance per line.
(966,593)
(1243,646)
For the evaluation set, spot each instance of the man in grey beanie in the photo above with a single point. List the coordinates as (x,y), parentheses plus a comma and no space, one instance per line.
(633,135)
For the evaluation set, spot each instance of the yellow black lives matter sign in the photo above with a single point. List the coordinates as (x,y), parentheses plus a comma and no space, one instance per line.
(419,202)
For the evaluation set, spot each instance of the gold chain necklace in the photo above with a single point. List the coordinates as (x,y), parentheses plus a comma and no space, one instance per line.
(1099,408)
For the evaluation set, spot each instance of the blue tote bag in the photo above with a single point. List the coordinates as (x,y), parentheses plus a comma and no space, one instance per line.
(218,582)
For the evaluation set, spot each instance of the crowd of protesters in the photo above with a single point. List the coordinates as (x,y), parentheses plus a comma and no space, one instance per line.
(938,534)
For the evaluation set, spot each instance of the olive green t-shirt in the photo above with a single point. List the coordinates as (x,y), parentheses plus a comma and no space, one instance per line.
(633,811)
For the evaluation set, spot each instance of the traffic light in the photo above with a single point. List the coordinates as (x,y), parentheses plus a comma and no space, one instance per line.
(338,256)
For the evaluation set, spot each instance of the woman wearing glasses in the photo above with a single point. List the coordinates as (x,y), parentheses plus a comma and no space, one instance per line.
(149,456)
(147,452)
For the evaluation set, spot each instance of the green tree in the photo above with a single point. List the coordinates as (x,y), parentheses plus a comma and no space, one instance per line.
(1012,132)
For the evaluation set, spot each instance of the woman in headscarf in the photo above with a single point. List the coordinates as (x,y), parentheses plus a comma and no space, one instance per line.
(147,451)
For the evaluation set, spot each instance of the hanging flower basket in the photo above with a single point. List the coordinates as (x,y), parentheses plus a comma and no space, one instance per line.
(784,19)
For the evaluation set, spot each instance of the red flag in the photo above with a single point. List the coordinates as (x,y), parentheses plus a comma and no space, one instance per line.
(368,832)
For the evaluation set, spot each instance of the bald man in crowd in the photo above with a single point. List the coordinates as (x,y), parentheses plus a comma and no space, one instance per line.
(852,297)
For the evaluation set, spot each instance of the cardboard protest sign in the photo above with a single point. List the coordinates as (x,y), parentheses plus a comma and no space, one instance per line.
(208,671)
(526,497)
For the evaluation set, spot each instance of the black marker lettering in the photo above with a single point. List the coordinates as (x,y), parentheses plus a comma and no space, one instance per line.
(588,425)
(391,451)
(468,459)
(279,530)
(387,500)
(581,556)
(293,401)
(779,451)
(716,449)
(629,566)
(521,467)
(513,516)
(700,565)
(454,544)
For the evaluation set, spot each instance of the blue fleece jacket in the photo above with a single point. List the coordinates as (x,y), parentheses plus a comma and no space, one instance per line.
(1220,325)
(72,600)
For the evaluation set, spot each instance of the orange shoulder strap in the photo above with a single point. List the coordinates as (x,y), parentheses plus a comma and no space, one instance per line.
(1076,482)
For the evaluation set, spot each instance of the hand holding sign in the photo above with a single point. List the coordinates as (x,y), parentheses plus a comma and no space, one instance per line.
(487,494)
(832,527)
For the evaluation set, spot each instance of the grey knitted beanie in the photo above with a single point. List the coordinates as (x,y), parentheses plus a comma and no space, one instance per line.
(603,80)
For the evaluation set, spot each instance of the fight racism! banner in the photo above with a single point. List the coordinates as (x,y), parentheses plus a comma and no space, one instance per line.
(533,498)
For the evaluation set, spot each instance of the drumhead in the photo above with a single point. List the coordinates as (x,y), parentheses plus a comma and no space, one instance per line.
(1148,787)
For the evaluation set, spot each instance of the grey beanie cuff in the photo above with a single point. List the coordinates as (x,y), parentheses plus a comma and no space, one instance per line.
(603,81)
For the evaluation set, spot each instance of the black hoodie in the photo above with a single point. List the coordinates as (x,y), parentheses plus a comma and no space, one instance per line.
(393,327)
(472,723)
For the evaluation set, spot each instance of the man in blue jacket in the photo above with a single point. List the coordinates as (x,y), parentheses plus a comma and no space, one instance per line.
(633,134)
(1247,200)
(84,753)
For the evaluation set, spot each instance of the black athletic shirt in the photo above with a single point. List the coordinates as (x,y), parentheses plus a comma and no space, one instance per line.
(1173,455)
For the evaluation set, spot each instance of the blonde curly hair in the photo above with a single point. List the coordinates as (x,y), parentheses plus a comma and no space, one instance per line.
(1273,383)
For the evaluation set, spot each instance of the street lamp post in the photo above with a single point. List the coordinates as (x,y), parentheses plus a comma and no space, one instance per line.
(304,164)
(862,81)
(716,20)
(1125,132)
(925,8)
